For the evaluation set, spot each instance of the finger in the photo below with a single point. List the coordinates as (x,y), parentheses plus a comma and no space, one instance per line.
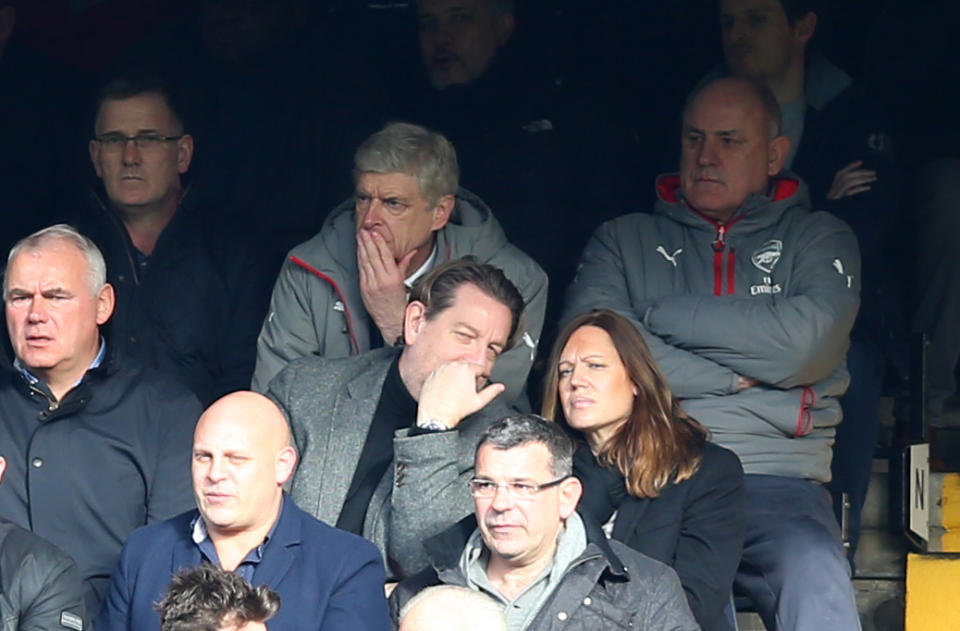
(859,175)
(856,164)
(381,251)
(489,393)
(856,191)
(363,256)
(381,265)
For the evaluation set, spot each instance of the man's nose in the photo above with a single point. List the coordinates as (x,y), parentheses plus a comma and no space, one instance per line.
(502,498)
(215,470)
(707,154)
(131,153)
(38,310)
(736,30)
(372,214)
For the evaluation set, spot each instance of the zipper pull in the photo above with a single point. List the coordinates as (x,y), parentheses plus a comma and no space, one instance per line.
(720,242)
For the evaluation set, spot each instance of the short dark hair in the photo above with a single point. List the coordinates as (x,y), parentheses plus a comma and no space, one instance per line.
(437,288)
(137,82)
(514,431)
(205,598)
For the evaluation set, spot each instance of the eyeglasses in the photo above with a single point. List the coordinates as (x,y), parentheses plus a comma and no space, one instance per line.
(485,489)
(146,142)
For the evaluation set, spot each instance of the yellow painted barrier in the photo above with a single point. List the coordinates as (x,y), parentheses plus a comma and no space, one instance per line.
(933,585)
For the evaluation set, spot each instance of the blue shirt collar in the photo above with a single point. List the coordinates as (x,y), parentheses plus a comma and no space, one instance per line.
(201,537)
(33,380)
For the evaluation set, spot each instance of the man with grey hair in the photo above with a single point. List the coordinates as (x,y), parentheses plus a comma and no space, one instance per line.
(344,292)
(452,608)
(528,548)
(95,444)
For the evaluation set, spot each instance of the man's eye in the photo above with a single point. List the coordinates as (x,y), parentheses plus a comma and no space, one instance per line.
(201,457)
(148,140)
(113,140)
(523,489)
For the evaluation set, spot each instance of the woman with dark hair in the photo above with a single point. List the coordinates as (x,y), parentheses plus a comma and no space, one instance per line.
(650,475)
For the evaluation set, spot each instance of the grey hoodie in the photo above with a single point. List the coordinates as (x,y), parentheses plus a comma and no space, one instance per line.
(316,307)
(771,295)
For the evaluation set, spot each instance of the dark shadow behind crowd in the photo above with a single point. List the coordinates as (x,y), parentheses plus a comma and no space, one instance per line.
(562,126)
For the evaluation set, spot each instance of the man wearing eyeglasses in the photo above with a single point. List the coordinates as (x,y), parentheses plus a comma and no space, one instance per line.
(190,297)
(528,548)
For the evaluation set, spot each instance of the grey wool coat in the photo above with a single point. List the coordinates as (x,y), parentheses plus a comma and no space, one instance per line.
(330,404)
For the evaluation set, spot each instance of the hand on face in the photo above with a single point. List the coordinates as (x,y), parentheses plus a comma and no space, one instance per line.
(454,391)
(381,283)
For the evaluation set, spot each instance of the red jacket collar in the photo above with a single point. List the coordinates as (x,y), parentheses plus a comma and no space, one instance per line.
(668,187)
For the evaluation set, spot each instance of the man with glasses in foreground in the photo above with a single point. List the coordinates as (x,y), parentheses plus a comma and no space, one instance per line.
(528,548)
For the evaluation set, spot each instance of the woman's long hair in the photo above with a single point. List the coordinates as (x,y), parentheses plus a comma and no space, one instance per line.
(659,442)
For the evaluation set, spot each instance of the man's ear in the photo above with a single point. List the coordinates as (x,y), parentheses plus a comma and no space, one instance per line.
(94,147)
(286,463)
(106,299)
(442,211)
(570,491)
(413,320)
(504,26)
(184,153)
(805,27)
(777,154)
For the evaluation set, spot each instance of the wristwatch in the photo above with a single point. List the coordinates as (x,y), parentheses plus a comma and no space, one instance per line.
(433,425)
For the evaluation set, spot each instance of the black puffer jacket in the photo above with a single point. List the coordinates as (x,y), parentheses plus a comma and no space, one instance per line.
(39,585)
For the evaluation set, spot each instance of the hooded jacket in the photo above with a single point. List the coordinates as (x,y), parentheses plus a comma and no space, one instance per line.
(771,295)
(317,309)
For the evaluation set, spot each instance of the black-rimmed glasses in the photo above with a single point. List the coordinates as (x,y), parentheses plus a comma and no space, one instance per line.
(116,141)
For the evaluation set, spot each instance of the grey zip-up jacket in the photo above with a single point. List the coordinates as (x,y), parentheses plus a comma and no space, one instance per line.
(316,307)
(770,295)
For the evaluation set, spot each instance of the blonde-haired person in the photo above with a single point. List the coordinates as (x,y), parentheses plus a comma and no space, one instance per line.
(650,475)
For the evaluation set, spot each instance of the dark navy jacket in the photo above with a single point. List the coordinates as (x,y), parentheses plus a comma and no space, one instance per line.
(84,472)
(327,579)
(194,309)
